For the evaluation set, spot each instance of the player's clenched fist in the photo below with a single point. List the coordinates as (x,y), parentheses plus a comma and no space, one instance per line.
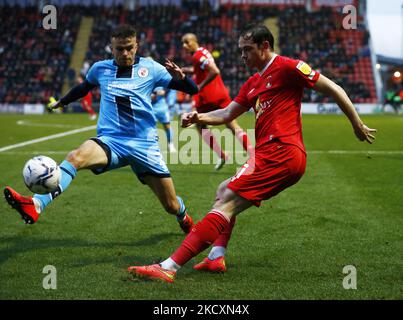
(189,118)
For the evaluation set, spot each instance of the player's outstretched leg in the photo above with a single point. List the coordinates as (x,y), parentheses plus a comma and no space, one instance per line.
(215,262)
(165,191)
(184,219)
(30,207)
(68,173)
(202,235)
(24,205)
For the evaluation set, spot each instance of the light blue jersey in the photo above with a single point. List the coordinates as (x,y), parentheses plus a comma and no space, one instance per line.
(160,107)
(127,124)
(125,108)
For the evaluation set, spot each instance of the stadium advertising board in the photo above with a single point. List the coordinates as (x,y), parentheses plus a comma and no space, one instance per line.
(333,3)
(264,2)
(22,108)
(332,108)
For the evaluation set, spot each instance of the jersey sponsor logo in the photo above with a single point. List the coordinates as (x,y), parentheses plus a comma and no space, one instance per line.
(143,72)
(120,89)
(261,107)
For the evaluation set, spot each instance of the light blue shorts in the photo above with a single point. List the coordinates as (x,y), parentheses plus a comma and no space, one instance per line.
(143,156)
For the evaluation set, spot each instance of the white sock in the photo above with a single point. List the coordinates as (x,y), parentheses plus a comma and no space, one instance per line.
(169,264)
(216,252)
(37,205)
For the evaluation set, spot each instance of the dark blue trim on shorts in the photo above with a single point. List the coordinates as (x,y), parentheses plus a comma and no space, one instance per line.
(108,153)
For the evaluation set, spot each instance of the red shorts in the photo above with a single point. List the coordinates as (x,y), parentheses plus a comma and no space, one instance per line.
(203,106)
(274,168)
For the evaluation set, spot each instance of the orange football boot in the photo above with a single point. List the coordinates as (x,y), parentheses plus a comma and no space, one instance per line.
(216,265)
(24,205)
(154,272)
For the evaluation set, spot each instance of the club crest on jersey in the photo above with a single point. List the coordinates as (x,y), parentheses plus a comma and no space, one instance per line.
(268,85)
(142,72)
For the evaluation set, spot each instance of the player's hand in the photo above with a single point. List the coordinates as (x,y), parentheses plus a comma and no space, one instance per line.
(189,118)
(53,104)
(364,133)
(174,70)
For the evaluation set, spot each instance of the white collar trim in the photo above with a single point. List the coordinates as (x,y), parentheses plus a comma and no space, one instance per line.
(268,64)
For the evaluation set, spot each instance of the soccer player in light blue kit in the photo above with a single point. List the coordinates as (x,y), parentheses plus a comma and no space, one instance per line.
(126,131)
(161,112)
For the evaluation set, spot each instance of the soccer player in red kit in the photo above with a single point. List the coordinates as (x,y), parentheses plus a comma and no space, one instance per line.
(86,102)
(212,95)
(275,94)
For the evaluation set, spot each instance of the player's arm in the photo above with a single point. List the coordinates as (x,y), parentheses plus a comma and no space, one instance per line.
(77,92)
(188,69)
(328,87)
(179,80)
(213,72)
(216,117)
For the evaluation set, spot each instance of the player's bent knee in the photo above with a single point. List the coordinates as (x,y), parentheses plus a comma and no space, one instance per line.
(74,159)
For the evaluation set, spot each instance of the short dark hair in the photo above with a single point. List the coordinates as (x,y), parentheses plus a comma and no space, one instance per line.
(258,33)
(124,31)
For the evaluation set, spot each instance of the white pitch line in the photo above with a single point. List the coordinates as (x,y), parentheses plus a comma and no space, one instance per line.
(46,138)
(54,125)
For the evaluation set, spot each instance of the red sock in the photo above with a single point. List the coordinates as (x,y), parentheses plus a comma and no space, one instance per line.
(212,142)
(203,234)
(223,238)
(244,140)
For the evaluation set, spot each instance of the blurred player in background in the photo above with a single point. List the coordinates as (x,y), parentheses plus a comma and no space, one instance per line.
(275,93)
(126,129)
(171,98)
(86,102)
(161,111)
(212,95)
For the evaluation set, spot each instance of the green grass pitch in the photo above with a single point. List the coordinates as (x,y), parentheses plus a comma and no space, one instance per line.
(346,210)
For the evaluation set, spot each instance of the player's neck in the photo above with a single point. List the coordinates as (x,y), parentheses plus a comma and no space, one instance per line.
(266,62)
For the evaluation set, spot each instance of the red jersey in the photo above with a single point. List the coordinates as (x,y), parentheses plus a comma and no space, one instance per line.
(276,94)
(215,91)
(87,99)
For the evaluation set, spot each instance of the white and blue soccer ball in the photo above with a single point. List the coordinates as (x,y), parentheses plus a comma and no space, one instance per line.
(41,175)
